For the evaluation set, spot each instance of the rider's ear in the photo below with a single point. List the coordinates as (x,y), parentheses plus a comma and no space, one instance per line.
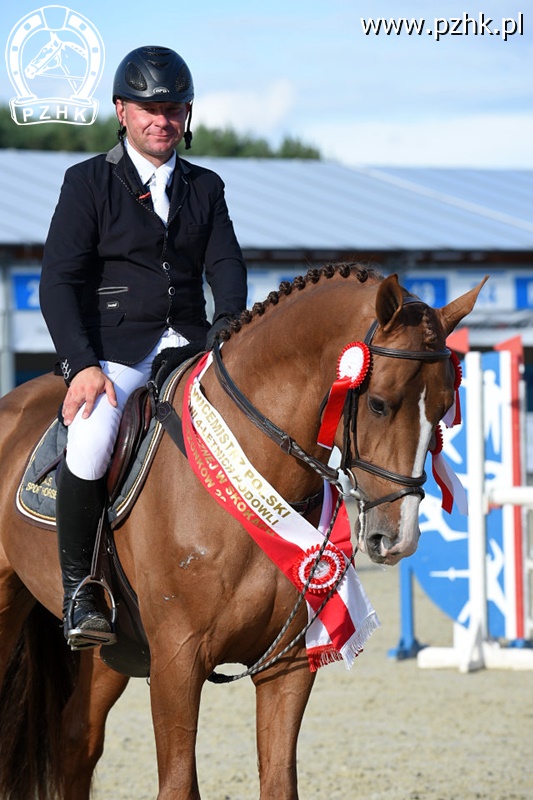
(119,110)
(389,302)
(455,311)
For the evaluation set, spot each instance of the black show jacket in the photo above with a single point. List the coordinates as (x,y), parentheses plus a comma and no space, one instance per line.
(114,277)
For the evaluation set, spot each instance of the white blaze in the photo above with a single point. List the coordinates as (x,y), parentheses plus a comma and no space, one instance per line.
(410,504)
(425,436)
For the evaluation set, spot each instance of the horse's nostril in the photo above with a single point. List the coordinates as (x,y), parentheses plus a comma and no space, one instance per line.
(373,544)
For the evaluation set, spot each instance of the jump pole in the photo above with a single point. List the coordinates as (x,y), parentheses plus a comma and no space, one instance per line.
(472,650)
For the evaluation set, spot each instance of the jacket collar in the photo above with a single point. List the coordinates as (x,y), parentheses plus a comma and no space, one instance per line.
(180,183)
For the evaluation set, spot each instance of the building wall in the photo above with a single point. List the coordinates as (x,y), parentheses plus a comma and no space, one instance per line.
(504,309)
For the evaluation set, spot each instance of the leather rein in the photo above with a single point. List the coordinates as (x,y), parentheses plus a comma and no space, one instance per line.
(410,485)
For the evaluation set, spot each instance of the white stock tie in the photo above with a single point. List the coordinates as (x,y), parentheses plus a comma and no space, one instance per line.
(159,194)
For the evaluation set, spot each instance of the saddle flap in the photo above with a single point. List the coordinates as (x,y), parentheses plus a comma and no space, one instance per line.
(133,427)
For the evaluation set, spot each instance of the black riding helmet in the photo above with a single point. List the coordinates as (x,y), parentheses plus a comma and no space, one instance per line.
(155,74)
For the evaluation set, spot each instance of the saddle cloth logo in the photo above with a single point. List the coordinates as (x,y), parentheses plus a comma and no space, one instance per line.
(55,59)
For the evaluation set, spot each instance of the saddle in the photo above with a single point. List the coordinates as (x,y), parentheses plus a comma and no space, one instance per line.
(130,655)
(134,426)
(142,427)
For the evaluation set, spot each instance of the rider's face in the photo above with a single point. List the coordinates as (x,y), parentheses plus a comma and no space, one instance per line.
(154,129)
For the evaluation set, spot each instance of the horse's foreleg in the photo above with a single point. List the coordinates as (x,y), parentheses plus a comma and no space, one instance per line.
(176,681)
(97,690)
(281,699)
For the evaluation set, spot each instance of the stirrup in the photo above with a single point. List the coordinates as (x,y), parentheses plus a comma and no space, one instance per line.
(80,639)
(83,638)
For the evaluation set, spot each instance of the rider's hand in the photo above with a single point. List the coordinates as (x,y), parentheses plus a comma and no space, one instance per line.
(86,387)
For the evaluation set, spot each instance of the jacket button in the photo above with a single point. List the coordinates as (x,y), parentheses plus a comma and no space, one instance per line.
(171,291)
(166,266)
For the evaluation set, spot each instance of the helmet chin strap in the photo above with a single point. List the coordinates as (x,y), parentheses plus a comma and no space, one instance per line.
(187,136)
(121,127)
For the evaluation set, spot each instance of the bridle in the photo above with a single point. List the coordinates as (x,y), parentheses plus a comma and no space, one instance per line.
(410,485)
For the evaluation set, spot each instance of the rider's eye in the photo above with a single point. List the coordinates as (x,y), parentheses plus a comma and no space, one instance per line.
(377,406)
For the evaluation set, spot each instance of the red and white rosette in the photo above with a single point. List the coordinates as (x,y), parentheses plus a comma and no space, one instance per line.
(327,571)
(451,487)
(453,415)
(352,368)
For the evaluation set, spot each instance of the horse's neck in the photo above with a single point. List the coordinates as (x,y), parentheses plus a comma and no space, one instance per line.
(285,363)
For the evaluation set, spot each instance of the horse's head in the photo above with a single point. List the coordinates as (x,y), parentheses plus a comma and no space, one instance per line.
(391,411)
(395,413)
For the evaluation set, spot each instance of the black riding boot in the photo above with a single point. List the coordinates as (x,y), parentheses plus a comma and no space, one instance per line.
(79,506)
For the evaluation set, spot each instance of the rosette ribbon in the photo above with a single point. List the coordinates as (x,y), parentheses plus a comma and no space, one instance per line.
(451,487)
(453,415)
(352,368)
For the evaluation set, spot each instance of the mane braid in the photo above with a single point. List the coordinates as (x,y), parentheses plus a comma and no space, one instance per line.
(343,268)
(430,335)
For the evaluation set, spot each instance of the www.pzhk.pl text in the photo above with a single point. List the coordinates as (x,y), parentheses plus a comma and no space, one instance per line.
(441,26)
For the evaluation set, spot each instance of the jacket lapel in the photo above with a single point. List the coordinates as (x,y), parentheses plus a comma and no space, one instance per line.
(180,187)
(126,172)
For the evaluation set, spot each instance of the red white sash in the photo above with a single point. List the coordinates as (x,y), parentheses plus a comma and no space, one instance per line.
(292,543)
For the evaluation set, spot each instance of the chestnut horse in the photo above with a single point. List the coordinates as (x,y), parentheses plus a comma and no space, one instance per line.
(208,595)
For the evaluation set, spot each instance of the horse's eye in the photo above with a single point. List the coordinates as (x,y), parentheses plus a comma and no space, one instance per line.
(377,406)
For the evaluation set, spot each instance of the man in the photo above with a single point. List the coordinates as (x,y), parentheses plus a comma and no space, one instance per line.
(122,278)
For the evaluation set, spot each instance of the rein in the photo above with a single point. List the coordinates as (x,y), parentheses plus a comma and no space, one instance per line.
(267,659)
(410,485)
(279,436)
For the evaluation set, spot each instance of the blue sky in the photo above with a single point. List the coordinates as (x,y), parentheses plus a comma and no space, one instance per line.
(306,69)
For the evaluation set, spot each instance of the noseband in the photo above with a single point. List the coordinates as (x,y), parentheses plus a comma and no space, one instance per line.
(409,484)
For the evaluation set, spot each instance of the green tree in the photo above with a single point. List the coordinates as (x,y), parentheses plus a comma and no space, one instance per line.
(57,136)
(100,136)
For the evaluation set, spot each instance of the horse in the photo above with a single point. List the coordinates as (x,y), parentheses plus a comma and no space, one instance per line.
(208,595)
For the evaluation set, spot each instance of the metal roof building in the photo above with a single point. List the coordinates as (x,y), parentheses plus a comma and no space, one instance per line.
(440,229)
(286,208)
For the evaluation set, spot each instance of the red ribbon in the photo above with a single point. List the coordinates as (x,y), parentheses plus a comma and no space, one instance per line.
(448,482)
(453,415)
(352,368)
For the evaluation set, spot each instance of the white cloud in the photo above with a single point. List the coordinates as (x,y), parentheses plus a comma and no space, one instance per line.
(482,140)
(244,111)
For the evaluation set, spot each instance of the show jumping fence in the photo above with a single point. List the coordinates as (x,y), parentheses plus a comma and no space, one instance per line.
(479,569)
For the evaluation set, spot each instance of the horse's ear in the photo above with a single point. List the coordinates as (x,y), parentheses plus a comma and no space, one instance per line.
(455,311)
(389,302)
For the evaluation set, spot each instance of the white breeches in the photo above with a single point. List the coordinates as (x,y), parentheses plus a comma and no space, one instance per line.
(90,441)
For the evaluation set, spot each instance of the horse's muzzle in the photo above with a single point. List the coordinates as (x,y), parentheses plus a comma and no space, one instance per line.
(383,550)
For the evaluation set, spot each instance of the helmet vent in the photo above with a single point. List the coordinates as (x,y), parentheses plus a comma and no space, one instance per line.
(158,57)
(183,79)
(134,78)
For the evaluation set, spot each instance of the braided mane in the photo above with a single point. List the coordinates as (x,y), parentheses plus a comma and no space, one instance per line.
(343,268)
(429,332)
